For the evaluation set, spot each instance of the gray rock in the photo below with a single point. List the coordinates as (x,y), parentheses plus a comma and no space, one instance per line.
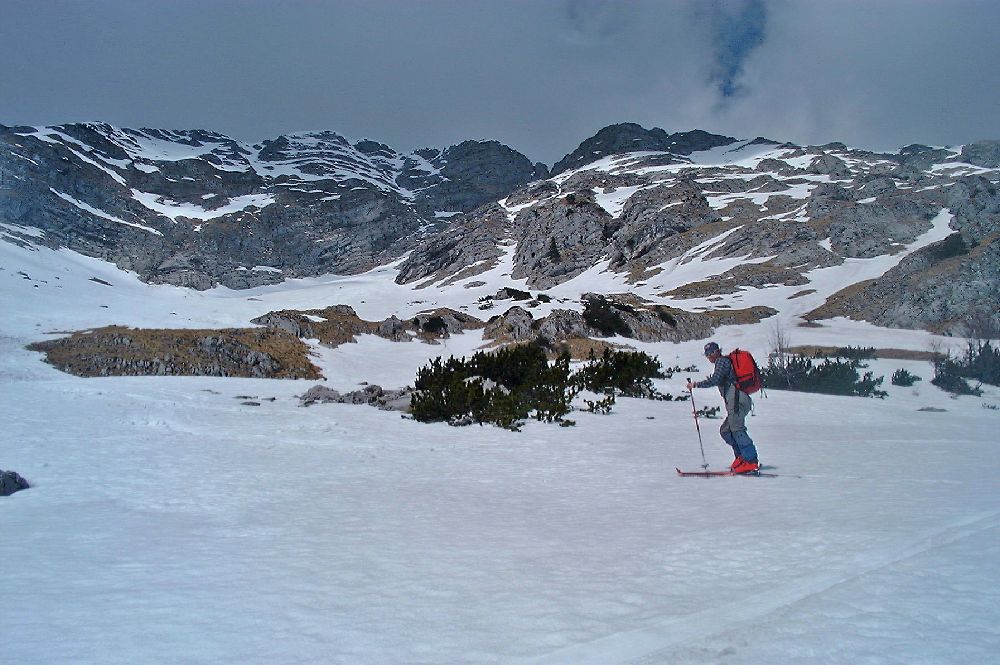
(630,137)
(372,395)
(982,153)
(11,482)
(514,325)
(559,239)
(830,165)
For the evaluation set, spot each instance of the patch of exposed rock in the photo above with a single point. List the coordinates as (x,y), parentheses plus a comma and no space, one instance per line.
(948,287)
(120,351)
(463,251)
(11,482)
(830,165)
(647,233)
(340,324)
(237,214)
(982,153)
(630,137)
(559,239)
(755,275)
(373,395)
(622,315)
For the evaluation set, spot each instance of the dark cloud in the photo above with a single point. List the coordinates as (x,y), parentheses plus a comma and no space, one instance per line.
(539,75)
(736,28)
(590,20)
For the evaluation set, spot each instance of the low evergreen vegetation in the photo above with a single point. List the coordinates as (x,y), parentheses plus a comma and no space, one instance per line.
(949,375)
(625,372)
(903,378)
(708,412)
(979,363)
(838,376)
(856,353)
(516,383)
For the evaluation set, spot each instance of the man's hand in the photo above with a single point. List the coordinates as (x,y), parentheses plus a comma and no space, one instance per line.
(690,386)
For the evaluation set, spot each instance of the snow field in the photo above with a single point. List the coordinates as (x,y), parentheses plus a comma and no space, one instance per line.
(169,522)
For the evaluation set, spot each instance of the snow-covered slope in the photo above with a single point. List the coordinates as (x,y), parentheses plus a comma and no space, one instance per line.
(171,522)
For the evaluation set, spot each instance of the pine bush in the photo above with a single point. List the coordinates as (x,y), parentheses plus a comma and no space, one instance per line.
(629,373)
(506,387)
(949,376)
(830,377)
(903,378)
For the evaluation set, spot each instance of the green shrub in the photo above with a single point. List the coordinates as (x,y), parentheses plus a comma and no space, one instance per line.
(982,362)
(626,372)
(855,353)
(948,376)
(553,253)
(830,377)
(903,378)
(502,388)
(515,383)
(602,405)
(666,317)
(602,315)
(435,325)
(708,412)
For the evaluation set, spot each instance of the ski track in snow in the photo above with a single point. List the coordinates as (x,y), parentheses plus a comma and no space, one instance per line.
(647,646)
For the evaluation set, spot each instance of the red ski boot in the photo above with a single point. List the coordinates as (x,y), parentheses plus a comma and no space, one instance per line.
(747,467)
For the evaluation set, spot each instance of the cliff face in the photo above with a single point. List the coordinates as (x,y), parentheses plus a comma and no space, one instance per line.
(197,209)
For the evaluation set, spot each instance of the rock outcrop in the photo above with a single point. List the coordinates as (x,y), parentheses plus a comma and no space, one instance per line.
(197,209)
(117,351)
(373,395)
(11,482)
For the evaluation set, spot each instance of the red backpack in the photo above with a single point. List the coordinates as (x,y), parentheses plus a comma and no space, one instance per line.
(747,373)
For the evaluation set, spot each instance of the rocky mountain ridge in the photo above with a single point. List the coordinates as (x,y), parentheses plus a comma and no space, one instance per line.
(197,208)
(779,214)
(644,207)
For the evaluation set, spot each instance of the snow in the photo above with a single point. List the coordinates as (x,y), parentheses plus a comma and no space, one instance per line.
(175,209)
(613,200)
(739,152)
(169,522)
(100,213)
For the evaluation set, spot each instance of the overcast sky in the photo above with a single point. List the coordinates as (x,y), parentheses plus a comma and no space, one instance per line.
(540,76)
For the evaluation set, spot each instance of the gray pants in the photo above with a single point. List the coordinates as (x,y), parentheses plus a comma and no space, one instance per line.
(734,427)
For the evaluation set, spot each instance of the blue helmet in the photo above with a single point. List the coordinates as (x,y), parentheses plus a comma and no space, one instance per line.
(712,348)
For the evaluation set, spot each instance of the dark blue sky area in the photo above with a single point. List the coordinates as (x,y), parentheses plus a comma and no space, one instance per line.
(540,76)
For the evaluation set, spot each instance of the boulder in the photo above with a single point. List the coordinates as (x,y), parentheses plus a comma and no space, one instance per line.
(11,482)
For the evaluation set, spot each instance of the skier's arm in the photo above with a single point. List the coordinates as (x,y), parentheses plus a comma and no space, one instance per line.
(722,366)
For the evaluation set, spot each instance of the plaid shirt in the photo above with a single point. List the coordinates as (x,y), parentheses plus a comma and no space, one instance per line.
(724,376)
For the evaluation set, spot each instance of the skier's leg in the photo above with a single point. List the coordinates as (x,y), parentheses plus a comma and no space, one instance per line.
(743,444)
(727,436)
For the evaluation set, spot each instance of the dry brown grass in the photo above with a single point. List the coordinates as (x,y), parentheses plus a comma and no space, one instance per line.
(755,314)
(811,351)
(121,351)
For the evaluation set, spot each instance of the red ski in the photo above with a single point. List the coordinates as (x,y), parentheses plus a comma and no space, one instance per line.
(727,472)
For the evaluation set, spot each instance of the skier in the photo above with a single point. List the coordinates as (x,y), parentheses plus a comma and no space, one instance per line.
(738,405)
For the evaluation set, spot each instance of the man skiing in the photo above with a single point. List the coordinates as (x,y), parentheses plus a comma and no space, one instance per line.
(738,405)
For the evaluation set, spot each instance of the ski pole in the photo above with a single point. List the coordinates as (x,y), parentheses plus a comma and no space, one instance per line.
(704,463)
